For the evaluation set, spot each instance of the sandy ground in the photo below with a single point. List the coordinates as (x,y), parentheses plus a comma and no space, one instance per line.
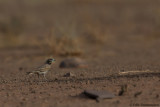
(117,35)
(19,90)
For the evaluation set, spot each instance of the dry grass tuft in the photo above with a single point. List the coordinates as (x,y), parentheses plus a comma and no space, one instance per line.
(63,45)
(95,34)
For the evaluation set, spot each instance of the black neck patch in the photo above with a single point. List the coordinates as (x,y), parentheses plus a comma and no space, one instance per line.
(49,61)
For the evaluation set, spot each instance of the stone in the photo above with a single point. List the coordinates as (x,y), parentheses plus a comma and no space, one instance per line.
(73,63)
(137,94)
(124,89)
(69,74)
(98,94)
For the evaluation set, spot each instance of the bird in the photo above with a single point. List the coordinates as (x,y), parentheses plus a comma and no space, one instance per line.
(42,70)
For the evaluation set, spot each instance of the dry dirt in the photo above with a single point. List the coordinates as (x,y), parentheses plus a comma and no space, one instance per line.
(115,35)
(19,90)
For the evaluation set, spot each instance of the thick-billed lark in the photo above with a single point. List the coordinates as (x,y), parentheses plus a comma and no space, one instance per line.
(42,70)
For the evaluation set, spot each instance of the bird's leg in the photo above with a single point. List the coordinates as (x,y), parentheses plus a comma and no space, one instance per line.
(45,77)
(38,75)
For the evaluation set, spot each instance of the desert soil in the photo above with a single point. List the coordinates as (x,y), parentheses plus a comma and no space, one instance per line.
(104,63)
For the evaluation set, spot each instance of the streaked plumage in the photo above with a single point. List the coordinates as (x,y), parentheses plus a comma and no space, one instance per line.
(42,70)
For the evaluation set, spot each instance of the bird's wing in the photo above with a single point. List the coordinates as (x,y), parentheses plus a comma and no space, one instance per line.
(43,68)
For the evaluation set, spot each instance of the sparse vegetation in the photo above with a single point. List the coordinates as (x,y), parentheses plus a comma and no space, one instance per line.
(110,45)
(65,27)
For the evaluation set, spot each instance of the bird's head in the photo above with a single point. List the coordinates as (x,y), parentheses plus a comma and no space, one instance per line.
(49,61)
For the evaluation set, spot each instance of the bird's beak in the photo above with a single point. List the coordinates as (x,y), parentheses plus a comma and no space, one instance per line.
(53,60)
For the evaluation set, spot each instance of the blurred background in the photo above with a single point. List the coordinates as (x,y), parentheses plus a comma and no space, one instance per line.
(75,27)
(99,37)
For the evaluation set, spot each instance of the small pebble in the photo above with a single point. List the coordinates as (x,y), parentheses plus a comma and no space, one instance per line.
(69,75)
(98,94)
